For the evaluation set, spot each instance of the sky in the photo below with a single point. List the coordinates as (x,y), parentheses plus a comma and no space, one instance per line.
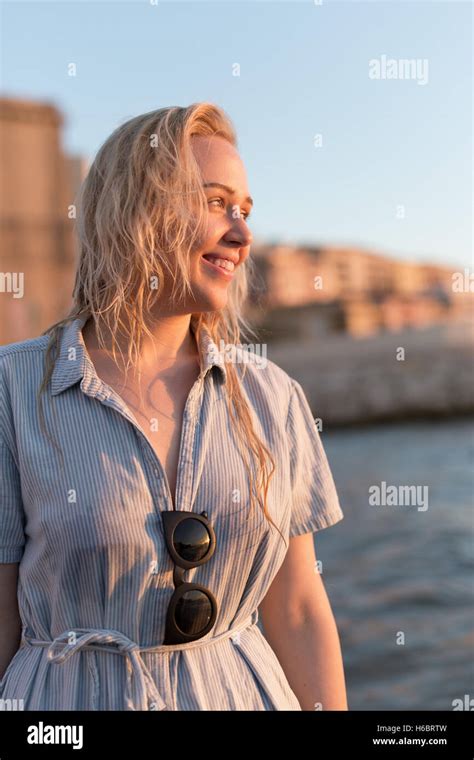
(392,167)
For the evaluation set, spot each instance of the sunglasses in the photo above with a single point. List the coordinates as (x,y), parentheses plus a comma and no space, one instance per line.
(191,541)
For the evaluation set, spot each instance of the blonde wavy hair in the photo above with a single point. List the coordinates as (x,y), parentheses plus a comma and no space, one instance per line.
(141,204)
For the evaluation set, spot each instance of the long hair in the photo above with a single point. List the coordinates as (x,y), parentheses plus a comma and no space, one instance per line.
(140,206)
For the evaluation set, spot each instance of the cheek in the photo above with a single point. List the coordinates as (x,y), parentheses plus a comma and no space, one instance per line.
(209,242)
(212,234)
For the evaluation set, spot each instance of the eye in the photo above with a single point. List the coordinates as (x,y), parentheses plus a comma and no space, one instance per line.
(218,200)
(245,214)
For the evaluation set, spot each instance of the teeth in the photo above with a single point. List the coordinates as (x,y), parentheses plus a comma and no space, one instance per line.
(224,263)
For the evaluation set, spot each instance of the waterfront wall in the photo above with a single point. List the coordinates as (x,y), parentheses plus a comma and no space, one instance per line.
(424,372)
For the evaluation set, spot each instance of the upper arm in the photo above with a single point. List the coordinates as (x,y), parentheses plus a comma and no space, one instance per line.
(314,498)
(8,591)
(12,517)
(12,539)
(297,590)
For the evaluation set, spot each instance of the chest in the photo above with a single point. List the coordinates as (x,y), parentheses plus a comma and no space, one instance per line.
(162,428)
(158,405)
(89,489)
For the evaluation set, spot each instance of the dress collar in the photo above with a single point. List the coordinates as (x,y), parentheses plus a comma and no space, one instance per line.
(73,362)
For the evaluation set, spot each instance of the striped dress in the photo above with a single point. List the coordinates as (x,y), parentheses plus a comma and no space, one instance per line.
(82,519)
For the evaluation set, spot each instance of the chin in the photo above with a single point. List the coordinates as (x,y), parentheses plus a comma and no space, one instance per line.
(212,300)
(216,303)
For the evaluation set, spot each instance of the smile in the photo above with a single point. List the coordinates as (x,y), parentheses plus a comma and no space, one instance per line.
(223,266)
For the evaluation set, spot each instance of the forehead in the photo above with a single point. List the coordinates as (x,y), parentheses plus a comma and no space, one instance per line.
(219,161)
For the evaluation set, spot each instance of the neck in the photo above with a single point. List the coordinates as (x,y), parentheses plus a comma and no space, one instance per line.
(172,342)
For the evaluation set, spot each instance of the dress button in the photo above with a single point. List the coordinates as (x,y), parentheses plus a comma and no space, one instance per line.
(236,637)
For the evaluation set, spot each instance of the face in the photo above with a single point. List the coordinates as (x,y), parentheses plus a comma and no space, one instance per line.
(228,238)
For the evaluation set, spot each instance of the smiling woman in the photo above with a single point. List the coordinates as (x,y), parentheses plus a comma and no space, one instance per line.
(89,475)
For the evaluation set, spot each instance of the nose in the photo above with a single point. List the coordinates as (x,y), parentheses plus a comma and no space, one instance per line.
(239,233)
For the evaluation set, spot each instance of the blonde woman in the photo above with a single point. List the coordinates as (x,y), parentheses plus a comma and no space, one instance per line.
(158,490)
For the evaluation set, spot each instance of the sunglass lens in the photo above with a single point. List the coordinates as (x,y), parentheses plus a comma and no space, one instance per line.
(191,540)
(193,612)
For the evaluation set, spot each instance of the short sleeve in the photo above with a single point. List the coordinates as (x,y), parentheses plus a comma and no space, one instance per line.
(314,499)
(12,520)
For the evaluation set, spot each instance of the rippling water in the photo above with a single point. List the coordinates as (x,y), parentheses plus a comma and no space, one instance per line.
(391,569)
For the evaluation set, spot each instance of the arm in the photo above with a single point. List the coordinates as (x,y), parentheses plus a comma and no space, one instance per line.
(299,626)
(10,621)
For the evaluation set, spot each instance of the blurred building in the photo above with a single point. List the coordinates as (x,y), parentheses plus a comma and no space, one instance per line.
(319,290)
(38,184)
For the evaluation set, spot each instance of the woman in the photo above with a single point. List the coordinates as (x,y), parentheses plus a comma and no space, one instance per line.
(150,516)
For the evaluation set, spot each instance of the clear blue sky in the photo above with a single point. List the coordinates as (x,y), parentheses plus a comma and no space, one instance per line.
(304,70)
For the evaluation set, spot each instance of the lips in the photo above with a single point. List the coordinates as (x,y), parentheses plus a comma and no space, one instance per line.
(224,262)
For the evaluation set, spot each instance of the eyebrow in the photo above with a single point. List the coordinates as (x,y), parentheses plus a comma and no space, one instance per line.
(228,189)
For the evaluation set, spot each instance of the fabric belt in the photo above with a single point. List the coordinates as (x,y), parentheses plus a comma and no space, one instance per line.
(141,691)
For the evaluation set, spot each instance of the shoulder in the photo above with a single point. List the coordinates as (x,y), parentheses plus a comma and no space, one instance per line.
(21,371)
(39,343)
(17,358)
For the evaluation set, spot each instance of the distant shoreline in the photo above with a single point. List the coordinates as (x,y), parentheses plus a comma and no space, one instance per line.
(397,420)
(415,374)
